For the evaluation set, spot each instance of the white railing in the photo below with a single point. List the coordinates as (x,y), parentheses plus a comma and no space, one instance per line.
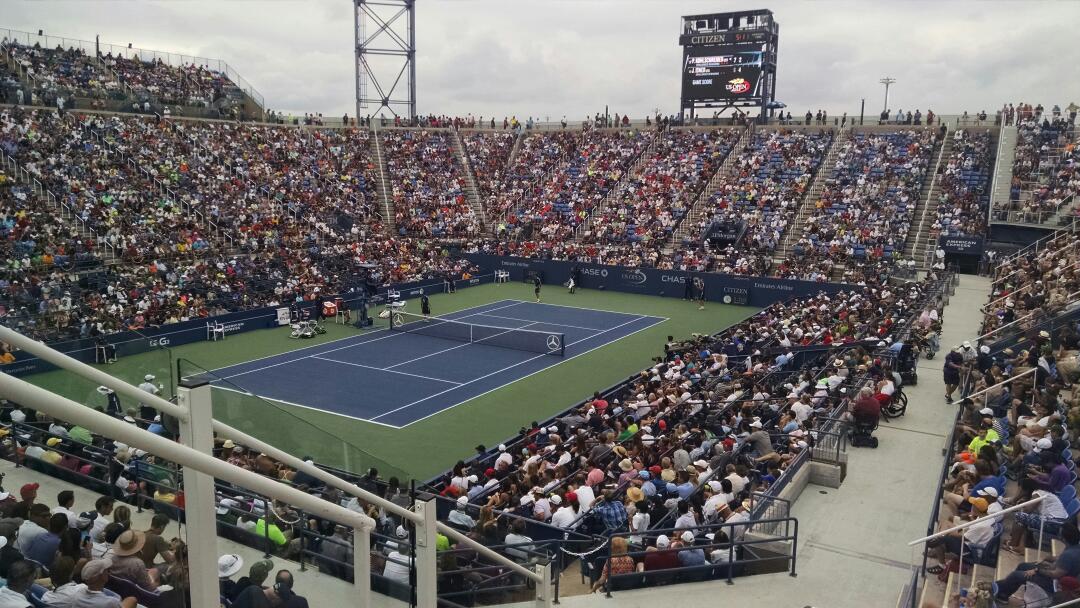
(426,573)
(998,517)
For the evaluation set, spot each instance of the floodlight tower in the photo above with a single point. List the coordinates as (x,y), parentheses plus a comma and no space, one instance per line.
(888,80)
(385,56)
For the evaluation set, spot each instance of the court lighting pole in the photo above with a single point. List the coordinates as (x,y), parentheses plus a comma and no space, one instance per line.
(888,80)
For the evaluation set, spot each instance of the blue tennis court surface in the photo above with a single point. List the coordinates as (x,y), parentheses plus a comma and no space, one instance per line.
(398,378)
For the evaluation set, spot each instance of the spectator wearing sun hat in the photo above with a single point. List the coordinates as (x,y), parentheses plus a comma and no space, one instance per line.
(228,566)
(127,562)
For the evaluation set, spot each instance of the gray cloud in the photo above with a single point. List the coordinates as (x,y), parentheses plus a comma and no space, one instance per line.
(550,58)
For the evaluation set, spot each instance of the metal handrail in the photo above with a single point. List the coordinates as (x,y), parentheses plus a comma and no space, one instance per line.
(1024,288)
(968,524)
(1010,379)
(992,332)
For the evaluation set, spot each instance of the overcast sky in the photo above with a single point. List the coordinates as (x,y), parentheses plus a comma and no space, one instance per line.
(547,58)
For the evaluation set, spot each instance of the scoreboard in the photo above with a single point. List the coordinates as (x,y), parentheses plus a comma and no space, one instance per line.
(728,59)
(728,73)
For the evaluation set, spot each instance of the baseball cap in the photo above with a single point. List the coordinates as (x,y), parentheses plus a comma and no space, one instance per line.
(29,489)
(984,349)
(1043,444)
(988,491)
(462,501)
(687,536)
(260,570)
(149,377)
(95,568)
(986,411)
(555,499)
(663,542)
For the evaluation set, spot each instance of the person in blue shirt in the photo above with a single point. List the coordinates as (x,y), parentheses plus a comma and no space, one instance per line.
(42,549)
(1043,574)
(688,554)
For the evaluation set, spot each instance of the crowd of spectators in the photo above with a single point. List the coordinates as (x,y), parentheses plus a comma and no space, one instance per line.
(72,72)
(561,196)
(1030,289)
(489,155)
(656,195)
(427,185)
(1012,442)
(759,199)
(865,209)
(1046,166)
(965,186)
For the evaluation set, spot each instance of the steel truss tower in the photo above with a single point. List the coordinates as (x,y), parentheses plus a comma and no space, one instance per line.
(385,57)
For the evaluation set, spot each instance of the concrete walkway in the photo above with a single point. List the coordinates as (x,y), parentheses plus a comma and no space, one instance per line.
(853,540)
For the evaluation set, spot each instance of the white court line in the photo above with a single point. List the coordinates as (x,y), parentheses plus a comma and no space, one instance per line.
(614,312)
(484,314)
(502,386)
(301,405)
(334,350)
(445,350)
(511,367)
(384,369)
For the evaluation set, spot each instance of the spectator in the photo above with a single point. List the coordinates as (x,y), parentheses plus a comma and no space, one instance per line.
(64,501)
(618,563)
(126,560)
(20,577)
(95,574)
(156,545)
(42,549)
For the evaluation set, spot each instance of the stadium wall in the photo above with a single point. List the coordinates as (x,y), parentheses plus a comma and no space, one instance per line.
(724,288)
(152,338)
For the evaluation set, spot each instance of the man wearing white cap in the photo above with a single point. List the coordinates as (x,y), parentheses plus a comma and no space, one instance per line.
(146,411)
(690,555)
(95,574)
(660,557)
(458,517)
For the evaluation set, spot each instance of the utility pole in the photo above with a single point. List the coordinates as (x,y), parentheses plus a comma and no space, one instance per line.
(888,80)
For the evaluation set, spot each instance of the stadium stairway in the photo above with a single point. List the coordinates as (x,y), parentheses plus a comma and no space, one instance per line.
(382,187)
(919,245)
(514,150)
(471,191)
(1005,156)
(106,252)
(806,208)
(582,230)
(694,213)
(223,237)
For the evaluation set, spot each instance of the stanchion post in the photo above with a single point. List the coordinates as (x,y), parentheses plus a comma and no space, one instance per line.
(200,518)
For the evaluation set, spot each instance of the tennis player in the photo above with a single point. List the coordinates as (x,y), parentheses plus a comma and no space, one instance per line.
(536,287)
(699,287)
(425,304)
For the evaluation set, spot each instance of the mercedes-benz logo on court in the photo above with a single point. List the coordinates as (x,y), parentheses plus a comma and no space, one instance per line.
(553,342)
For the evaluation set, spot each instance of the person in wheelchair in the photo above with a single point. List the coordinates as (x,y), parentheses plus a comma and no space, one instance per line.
(865,413)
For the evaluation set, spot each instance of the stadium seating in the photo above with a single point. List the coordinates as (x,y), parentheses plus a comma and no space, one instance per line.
(651,201)
(427,185)
(559,178)
(761,196)
(865,209)
(965,184)
(1046,169)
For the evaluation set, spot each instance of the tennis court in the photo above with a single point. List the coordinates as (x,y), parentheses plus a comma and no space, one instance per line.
(398,377)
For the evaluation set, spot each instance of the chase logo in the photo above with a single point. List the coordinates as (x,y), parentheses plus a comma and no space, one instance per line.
(594,272)
(635,277)
(672,278)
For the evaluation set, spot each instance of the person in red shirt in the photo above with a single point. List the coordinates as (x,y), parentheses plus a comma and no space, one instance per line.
(866,409)
(659,557)
(599,403)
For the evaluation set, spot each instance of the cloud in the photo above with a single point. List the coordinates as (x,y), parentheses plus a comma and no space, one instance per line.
(548,58)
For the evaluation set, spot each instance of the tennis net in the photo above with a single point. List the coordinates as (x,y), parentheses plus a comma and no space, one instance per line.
(548,343)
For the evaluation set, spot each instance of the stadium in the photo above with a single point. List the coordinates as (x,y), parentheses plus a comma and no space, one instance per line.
(397,332)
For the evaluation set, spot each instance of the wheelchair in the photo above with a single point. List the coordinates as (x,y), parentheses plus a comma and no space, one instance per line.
(861,434)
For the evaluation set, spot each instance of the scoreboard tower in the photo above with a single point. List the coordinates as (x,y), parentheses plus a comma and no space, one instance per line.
(729,60)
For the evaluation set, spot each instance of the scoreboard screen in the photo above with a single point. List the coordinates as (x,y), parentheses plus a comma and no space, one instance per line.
(726,72)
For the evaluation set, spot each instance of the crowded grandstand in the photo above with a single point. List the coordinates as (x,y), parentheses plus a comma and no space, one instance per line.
(189,282)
